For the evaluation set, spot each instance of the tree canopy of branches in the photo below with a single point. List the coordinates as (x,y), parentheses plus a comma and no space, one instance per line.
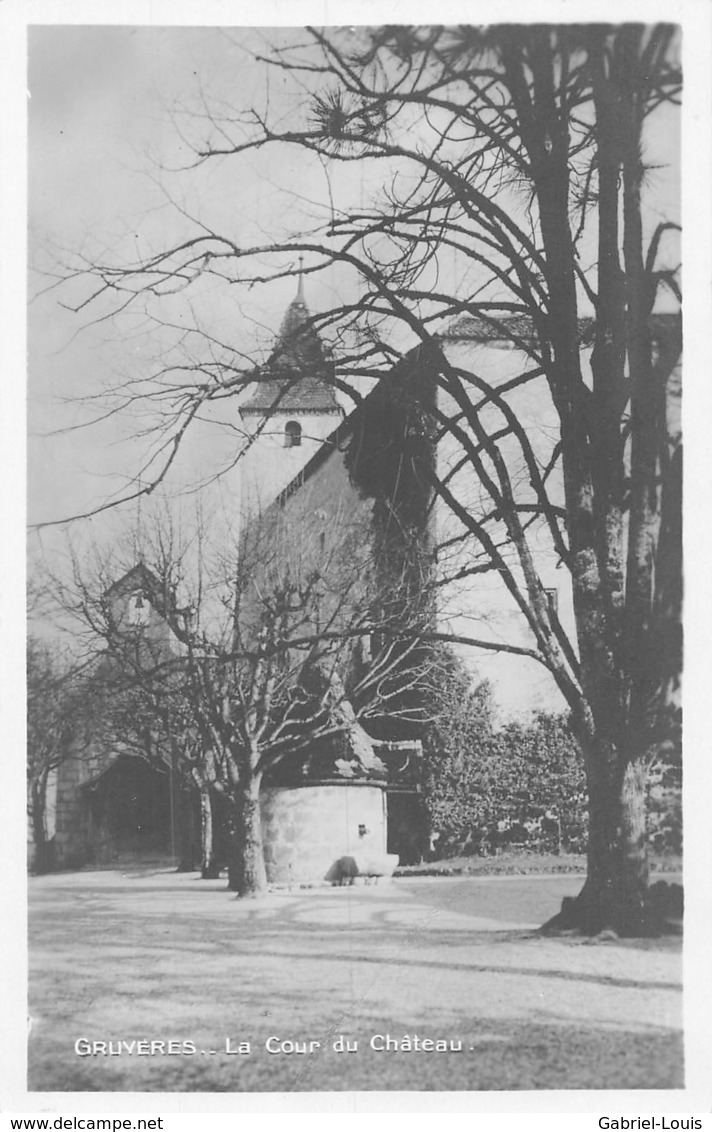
(257,665)
(61,711)
(512,161)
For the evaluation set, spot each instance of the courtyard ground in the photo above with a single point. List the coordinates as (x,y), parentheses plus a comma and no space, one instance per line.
(164,957)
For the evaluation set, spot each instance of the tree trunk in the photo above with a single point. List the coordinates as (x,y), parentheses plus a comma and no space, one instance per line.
(183,824)
(210,866)
(614,896)
(247,875)
(42,861)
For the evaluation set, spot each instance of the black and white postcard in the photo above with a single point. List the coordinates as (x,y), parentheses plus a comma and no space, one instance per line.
(354,568)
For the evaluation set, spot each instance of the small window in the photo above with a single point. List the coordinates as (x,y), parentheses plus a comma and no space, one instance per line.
(292,434)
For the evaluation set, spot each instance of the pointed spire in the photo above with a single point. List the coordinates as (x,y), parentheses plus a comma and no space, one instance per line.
(299,357)
(300,288)
(297,314)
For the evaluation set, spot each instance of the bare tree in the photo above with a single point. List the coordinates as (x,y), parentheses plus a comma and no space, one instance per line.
(141,711)
(514,174)
(61,710)
(242,662)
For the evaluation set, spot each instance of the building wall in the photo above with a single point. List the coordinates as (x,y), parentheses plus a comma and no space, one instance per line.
(77,839)
(326,523)
(481,606)
(72,840)
(329,519)
(116,807)
(323,833)
(324,526)
(267,465)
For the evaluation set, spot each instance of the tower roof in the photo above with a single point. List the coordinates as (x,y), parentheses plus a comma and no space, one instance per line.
(295,379)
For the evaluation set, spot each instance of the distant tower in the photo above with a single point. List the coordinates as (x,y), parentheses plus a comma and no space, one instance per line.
(292,410)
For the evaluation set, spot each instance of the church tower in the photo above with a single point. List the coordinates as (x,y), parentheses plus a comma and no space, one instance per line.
(291,411)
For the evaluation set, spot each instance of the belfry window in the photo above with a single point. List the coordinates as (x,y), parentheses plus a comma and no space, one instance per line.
(292,434)
(138,610)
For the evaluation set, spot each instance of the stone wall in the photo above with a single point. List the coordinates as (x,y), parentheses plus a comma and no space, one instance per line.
(72,848)
(309,830)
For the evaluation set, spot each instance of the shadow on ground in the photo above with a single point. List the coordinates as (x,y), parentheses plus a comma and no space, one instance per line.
(159,959)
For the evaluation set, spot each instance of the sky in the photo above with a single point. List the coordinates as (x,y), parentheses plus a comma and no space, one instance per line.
(101,133)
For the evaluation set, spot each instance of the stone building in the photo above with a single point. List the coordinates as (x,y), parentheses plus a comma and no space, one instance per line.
(357,504)
(317,480)
(291,411)
(109,803)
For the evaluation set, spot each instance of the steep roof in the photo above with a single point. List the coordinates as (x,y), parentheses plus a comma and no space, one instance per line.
(161,596)
(295,379)
(519,329)
(138,577)
(664,327)
(291,394)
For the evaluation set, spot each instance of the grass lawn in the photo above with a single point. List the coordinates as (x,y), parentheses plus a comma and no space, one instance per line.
(514,861)
(166,957)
